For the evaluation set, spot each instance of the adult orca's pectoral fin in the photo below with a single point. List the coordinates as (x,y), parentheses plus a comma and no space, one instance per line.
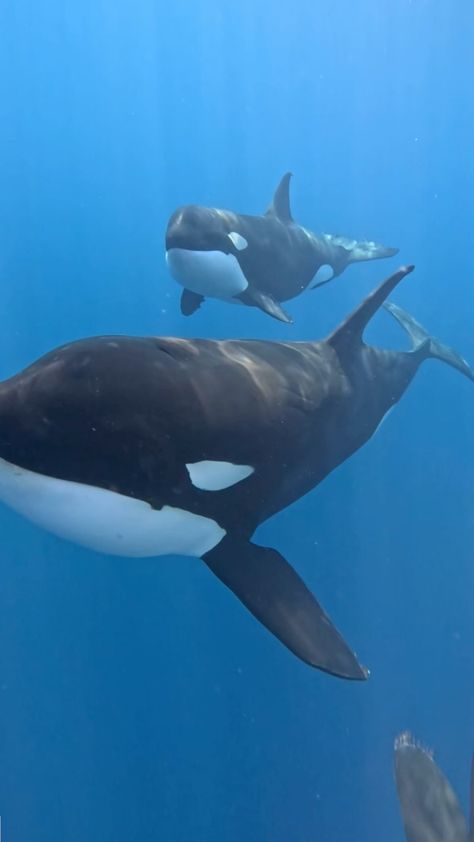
(265,302)
(274,593)
(190,302)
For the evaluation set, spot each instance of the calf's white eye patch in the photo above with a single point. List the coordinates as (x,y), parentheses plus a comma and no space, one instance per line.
(238,241)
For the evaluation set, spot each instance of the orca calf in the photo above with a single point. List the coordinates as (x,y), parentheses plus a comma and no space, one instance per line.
(255,260)
(430,809)
(152,446)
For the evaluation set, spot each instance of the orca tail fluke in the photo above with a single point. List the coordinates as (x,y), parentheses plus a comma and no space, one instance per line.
(367,250)
(274,593)
(421,339)
(356,251)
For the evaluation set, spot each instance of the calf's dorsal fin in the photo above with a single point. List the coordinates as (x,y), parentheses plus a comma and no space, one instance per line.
(280,206)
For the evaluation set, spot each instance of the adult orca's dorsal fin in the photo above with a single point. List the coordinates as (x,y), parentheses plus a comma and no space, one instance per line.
(348,335)
(280,207)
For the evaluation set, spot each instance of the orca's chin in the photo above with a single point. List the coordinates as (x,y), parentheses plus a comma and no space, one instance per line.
(212,274)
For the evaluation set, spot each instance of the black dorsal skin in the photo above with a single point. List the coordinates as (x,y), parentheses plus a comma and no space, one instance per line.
(128,414)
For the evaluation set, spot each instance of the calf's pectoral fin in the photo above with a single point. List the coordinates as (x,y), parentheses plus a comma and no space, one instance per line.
(190,302)
(265,302)
(274,593)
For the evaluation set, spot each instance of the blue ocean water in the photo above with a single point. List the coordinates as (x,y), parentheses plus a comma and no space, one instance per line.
(138,699)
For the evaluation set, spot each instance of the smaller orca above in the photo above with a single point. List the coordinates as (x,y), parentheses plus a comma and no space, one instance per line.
(430,809)
(255,260)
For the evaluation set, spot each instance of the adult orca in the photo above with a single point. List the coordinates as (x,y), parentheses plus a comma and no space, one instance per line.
(151,446)
(430,809)
(255,260)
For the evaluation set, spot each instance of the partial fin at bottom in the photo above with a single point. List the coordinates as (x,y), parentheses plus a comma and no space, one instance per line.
(430,809)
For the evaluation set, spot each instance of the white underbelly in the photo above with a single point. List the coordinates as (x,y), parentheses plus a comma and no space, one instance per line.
(103,520)
(212,274)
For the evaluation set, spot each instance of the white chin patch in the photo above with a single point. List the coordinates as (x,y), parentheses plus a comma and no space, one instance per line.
(212,274)
(215,476)
(324,273)
(103,520)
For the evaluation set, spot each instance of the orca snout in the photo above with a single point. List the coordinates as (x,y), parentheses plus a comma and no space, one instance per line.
(192,227)
(201,254)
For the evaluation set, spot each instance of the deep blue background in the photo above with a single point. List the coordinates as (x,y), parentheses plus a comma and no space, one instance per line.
(138,700)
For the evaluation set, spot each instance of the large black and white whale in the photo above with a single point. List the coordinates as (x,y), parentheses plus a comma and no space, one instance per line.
(255,260)
(152,446)
(430,808)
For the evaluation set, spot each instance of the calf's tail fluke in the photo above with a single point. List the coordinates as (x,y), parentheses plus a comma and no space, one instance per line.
(368,250)
(359,250)
(422,339)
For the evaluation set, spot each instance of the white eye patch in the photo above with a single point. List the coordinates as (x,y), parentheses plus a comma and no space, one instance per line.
(209,475)
(238,241)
